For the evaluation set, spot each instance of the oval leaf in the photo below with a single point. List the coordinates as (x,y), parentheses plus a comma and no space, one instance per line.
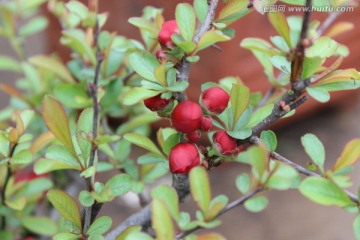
(349,156)
(161,220)
(143,142)
(186,20)
(324,192)
(200,187)
(57,121)
(315,149)
(66,206)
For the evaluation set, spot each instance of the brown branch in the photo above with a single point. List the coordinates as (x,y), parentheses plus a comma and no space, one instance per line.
(297,63)
(276,156)
(91,212)
(183,68)
(228,207)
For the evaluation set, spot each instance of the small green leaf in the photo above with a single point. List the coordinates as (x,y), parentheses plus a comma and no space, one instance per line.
(76,40)
(73,95)
(161,221)
(84,127)
(100,226)
(325,192)
(44,165)
(39,225)
(150,159)
(315,149)
(61,153)
(232,11)
(137,94)
(283,177)
(77,7)
(53,65)
(21,158)
(200,188)
(66,236)
(201,7)
(142,141)
(144,64)
(211,37)
(269,139)
(169,197)
(186,20)
(256,204)
(310,66)
(136,121)
(89,172)
(9,64)
(278,21)
(57,121)
(243,183)
(33,26)
(356,227)
(257,157)
(240,134)
(66,206)
(323,47)
(119,184)
(86,199)
(260,115)
(239,98)
(129,231)
(349,156)
(143,24)
(319,94)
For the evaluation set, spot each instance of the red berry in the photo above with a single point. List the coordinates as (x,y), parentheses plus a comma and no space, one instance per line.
(215,99)
(206,123)
(161,55)
(183,157)
(224,143)
(27,175)
(187,117)
(167,30)
(156,103)
(193,137)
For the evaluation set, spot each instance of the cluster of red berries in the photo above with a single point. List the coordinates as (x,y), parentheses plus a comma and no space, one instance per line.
(188,118)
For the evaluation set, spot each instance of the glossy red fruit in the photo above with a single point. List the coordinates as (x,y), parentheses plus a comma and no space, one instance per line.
(193,137)
(183,157)
(168,28)
(187,117)
(160,55)
(224,143)
(156,103)
(215,99)
(206,123)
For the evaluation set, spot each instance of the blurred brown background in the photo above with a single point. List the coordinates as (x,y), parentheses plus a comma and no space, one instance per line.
(289,215)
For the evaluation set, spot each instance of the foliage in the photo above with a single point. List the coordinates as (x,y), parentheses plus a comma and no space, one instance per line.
(58,123)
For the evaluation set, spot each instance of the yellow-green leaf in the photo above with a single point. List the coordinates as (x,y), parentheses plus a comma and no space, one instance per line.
(278,21)
(53,65)
(239,98)
(200,188)
(66,206)
(57,121)
(40,225)
(142,141)
(161,220)
(349,156)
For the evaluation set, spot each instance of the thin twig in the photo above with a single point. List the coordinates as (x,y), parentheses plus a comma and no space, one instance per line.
(306,172)
(300,169)
(228,207)
(8,173)
(297,63)
(327,23)
(91,212)
(141,218)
